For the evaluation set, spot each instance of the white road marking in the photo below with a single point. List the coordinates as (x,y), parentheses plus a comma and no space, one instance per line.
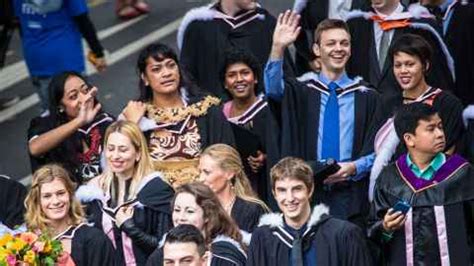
(14,73)
(113,58)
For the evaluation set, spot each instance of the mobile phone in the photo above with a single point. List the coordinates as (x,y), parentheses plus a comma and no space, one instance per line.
(401,206)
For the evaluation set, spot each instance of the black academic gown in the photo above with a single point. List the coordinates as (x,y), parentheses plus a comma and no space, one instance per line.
(246,214)
(207,34)
(441,219)
(82,165)
(258,120)
(300,109)
(364,61)
(337,242)
(224,252)
(89,246)
(151,218)
(313,12)
(12,196)
(460,40)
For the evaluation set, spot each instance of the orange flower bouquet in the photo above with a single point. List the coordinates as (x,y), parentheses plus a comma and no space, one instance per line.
(29,249)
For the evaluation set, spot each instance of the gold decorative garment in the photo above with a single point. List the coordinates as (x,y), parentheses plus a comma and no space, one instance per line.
(174,115)
(178,172)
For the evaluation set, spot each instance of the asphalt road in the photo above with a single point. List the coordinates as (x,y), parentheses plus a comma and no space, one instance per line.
(117,85)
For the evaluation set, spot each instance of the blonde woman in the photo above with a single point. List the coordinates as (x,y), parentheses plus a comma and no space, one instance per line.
(52,208)
(129,201)
(221,170)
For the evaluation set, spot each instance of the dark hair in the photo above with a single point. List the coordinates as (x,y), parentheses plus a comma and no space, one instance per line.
(236,56)
(329,24)
(292,168)
(407,117)
(67,150)
(413,45)
(186,233)
(160,52)
(218,221)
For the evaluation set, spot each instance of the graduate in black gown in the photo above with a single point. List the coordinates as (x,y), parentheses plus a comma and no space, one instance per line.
(374,31)
(241,77)
(72,134)
(222,170)
(411,56)
(327,115)
(196,204)
(129,202)
(456,18)
(299,236)
(178,119)
(437,229)
(12,196)
(52,208)
(312,13)
(206,33)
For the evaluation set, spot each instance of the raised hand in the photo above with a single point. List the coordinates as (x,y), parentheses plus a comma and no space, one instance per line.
(285,33)
(88,111)
(134,111)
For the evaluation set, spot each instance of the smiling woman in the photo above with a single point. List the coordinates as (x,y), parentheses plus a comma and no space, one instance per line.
(52,208)
(178,119)
(72,133)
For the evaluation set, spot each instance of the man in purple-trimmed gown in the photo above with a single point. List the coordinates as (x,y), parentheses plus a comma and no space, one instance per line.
(423,208)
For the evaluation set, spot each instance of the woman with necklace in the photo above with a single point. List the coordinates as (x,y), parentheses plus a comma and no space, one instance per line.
(178,120)
(222,171)
(196,204)
(411,56)
(52,208)
(129,201)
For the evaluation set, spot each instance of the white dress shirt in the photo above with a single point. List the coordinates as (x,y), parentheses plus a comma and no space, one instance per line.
(378,31)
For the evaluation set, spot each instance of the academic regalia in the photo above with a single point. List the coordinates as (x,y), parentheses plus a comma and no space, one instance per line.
(300,112)
(439,226)
(459,38)
(224,252)
(388,146)
(258,120)
(12,196)
(312,13)
(176,137)
(207,34)
(364,59)
(89,246)
(337,242)
(246,214)
(137,237)
(82,165)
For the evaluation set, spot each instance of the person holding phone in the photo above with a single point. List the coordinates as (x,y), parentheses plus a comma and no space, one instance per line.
(422,213)
(72,134)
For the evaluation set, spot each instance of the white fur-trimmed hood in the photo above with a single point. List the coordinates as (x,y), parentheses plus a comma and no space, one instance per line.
(89,192)
(224,238)
(299,5)
(200,13)
(276,219)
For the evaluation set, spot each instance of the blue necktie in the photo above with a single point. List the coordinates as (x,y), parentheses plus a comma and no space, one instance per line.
(330,145)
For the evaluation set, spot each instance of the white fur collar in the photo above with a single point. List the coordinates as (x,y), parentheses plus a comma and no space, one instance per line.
(414,11)
(199,13)
(89,192)
(299,5)
(224,238)
(276,219)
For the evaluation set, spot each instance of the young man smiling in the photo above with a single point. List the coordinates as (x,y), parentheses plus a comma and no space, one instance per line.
(298,237)
(184,245)
(436,225)
(326,115)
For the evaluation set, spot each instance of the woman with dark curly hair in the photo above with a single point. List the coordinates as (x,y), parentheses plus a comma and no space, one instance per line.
(178,120)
